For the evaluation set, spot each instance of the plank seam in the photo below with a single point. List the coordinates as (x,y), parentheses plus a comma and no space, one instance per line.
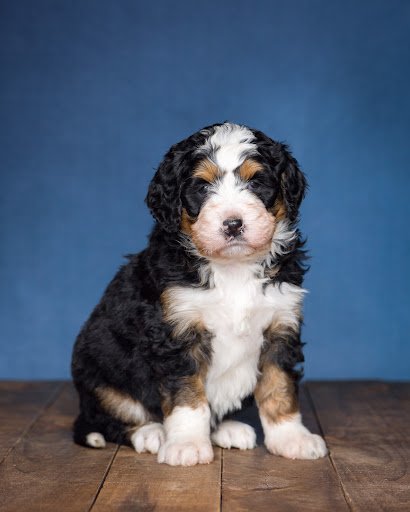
(221,488)
(104,477)
(56,393)
(332,462)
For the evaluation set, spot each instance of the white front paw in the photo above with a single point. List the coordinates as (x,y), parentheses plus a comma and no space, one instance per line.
(186,453)
(302,446)
(148,438)
(234,434)
(292,440)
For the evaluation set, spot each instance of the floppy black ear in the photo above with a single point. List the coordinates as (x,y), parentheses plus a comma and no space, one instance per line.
(293,184)
(164,193)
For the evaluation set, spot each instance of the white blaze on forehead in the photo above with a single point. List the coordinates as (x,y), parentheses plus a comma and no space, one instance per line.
(229,193)
(229,145)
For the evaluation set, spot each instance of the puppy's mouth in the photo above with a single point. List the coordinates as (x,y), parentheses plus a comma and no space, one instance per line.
(236,245)
(235,240)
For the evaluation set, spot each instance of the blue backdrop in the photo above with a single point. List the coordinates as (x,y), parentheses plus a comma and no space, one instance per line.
(93,93)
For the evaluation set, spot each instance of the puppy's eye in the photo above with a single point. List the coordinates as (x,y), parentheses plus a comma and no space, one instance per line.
(254,186)
(203,189)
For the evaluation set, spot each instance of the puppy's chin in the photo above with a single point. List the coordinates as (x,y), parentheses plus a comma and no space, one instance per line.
(236,250)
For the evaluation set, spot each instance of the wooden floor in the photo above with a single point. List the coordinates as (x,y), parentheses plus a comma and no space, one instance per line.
(366,426)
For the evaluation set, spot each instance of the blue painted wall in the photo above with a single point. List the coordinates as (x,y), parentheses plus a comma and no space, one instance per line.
(94,92)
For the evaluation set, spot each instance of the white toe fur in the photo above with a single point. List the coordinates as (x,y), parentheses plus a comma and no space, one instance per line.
(292,440)
(95,440)
(234,434)
(148,438)
(189,453)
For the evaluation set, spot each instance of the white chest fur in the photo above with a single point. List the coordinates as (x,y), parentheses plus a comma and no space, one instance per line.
(236,310)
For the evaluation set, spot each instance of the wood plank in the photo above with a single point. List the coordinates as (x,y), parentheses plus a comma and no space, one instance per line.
(367,429)
(20,405)
(138,482)
(46,471)
(257,480)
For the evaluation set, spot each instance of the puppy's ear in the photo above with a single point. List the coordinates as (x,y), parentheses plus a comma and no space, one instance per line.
(293,184)
(164,193)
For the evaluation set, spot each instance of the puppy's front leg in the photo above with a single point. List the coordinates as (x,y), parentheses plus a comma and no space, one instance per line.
(278,404)
(187,426)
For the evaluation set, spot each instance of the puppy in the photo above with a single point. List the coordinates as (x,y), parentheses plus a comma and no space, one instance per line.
(208,314)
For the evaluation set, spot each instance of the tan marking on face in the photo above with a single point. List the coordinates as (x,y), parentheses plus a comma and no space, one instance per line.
(122,406)
(206,170)
(249,168)
(191,394)
(279,209)
(186,222)
(275,394)
(207,230)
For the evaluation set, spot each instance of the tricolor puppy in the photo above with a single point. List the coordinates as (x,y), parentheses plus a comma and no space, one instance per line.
(208,314)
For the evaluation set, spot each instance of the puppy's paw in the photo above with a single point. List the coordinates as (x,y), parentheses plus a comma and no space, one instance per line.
(294,441)
(234,434)
(148,438)
(186,453)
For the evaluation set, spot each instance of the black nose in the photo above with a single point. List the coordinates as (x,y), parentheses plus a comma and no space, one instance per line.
(233,227)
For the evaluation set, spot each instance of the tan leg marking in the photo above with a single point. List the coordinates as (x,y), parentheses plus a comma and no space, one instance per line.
(192,394)
(278,404)
(275,395)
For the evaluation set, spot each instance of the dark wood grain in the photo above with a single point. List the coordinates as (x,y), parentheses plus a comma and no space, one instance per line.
(255,480)
(20,405)
(367,428)
(46,471)
(138,482)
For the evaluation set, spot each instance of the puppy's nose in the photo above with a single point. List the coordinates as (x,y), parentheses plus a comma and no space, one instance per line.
(233,227)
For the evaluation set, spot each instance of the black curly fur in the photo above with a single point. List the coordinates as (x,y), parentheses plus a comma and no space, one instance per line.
(125,344)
